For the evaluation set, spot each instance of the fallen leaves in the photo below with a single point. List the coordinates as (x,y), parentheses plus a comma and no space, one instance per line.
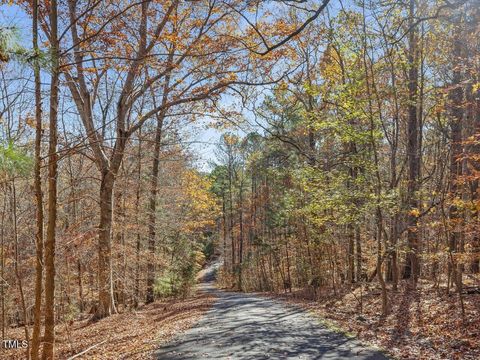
(132,335)
(422,324)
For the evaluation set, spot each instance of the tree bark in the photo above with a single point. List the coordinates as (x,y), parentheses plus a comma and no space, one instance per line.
(49,338)
(80,286)
(137,210)
(2,258)
(224,226)
(240,250)
(412,270)
(152,207)
(35,347)
(358,243)
(106,304)
(230,191)
(381,279)
(351,253)
(456,149)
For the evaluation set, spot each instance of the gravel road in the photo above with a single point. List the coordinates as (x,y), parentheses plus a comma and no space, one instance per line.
(243,326)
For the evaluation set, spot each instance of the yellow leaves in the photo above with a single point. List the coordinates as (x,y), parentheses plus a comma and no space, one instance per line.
(475,87)
(202,208)
(172,38)
(330,66)
(282,28)
(232,77)
(199,258)
(414,212)
(458,202)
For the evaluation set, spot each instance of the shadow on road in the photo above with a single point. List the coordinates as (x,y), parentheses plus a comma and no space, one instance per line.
(242,326)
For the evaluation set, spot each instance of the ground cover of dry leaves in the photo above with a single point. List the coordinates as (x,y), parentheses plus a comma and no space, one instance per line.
(129,335)
(425,323)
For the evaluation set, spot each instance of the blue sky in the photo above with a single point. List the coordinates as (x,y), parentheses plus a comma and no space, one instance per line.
(202,138)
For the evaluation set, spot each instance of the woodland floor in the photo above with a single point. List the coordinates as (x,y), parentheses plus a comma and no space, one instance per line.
(130,335)
(212,324)
(423,324)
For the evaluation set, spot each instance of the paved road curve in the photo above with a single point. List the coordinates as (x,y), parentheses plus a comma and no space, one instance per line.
(241,326)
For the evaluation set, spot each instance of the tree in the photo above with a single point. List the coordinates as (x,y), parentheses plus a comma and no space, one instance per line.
(50,242)
(38,190)
(412,267)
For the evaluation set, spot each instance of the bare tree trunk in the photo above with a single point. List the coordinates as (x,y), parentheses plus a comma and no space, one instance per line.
(137,209)
(80,286)
(358,243)
(393,251)
(380,256)
(289,276)
(2,269)
(412,270)
(230,191)
(152,207)
(240,252)
(35,348)
(351,253)
(456,149)
(49,338)
(119,213)
(106,304)
(224,221)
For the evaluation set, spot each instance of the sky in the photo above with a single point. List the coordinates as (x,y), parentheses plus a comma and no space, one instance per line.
(202,138)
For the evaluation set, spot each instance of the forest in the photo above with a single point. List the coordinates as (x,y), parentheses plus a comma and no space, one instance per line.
(342,176)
